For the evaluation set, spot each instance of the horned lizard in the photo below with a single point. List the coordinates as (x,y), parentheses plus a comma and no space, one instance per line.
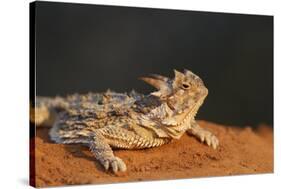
(128,121)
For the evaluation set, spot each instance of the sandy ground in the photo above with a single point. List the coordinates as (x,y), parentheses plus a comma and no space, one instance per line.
(241,151)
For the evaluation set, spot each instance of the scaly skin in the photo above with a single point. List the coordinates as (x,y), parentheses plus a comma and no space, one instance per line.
(129,121)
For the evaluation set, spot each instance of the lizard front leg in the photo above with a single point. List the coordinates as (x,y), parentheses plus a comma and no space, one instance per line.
(104,153)
(203,134)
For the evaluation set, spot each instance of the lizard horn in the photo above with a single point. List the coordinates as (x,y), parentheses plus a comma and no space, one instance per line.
(157,83)
(160,83)
(160,77)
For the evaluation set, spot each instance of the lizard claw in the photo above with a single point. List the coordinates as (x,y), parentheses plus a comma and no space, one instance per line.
(209,138)
(115,163)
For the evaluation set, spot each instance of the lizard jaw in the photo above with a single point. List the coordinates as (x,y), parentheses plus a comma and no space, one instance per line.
(183,116)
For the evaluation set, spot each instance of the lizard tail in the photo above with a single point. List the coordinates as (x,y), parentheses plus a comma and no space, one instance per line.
(43,112)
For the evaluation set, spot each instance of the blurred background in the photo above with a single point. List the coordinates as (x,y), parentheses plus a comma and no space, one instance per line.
(82,48)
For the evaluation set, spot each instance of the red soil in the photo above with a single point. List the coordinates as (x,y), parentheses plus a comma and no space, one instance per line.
(241,151)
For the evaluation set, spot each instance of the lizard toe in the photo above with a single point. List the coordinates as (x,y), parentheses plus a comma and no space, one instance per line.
(121,165)
(106,165)
(215,142)
(209,139)
(115,163)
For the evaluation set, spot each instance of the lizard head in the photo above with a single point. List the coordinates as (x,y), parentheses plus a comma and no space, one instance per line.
(183,94)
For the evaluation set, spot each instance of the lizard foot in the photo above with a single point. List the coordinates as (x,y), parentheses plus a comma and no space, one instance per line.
(209,138)
(115,163)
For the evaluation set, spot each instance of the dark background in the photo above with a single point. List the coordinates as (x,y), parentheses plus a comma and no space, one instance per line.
(81,48)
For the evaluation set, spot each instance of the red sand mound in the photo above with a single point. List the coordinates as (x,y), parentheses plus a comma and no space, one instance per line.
(241,151)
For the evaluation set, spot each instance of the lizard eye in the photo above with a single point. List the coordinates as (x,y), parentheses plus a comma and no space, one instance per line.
(185,86)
